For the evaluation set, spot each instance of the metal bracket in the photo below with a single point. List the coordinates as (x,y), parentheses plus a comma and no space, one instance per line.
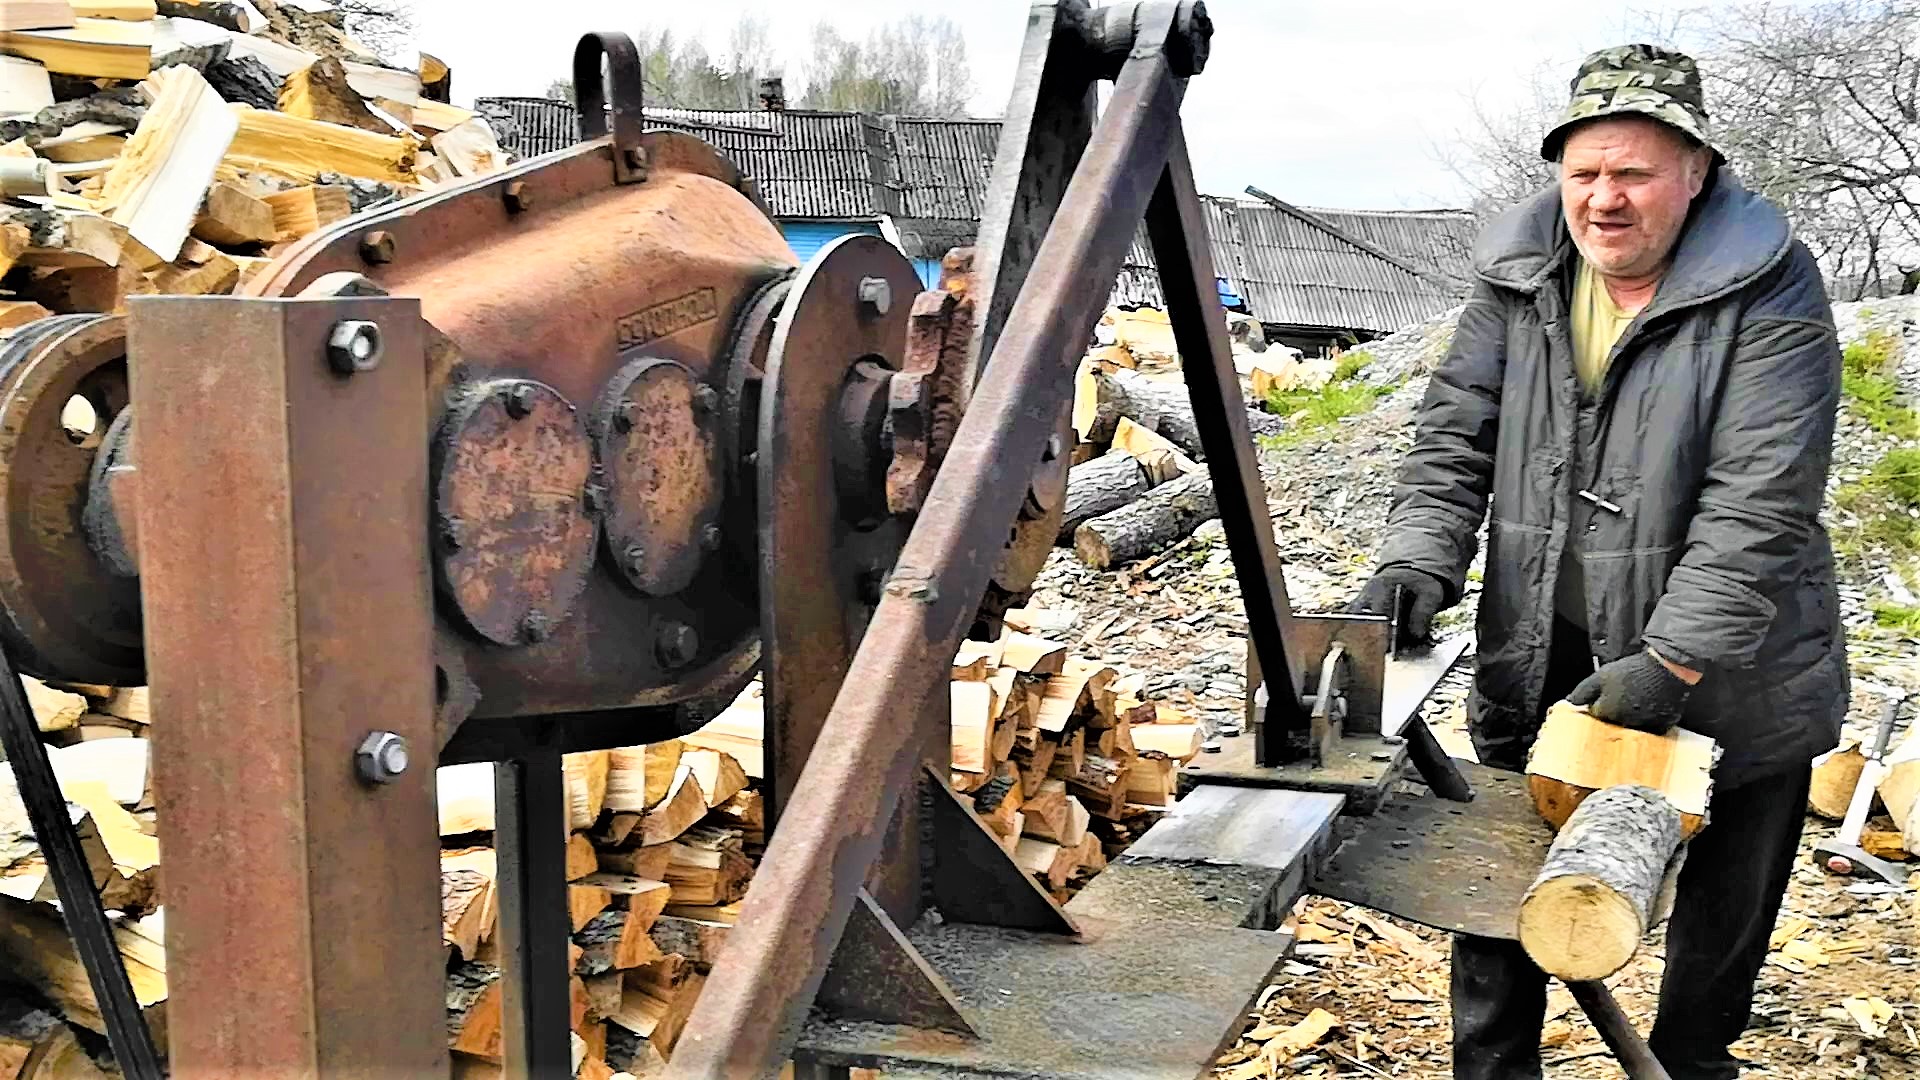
(589,91)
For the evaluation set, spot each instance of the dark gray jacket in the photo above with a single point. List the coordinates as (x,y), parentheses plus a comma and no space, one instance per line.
(1712,433)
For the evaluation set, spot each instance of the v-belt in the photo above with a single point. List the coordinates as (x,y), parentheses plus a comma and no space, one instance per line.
(53,829)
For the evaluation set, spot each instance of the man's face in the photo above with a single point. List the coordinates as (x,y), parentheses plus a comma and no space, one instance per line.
(1625,183)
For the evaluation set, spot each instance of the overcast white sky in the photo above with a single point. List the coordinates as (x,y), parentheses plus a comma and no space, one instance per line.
(1321,102)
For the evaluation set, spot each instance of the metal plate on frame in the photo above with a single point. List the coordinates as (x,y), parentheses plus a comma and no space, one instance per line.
(1050,1008)
(1452,866)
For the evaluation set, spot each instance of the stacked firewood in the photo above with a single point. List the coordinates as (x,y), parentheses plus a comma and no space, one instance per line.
(1063,758)
(1060,755)
(662,842)
(156,146)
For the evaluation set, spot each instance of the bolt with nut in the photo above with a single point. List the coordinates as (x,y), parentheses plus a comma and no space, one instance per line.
(518,400)
(353,346)
(876,295)
(382,757)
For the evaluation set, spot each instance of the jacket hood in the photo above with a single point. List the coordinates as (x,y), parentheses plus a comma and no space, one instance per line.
(1731,237)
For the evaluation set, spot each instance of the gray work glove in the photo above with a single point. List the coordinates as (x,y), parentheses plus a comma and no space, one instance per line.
(1423,594)
(1636,692)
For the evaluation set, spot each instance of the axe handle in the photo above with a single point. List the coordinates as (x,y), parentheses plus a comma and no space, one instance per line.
(1855,822)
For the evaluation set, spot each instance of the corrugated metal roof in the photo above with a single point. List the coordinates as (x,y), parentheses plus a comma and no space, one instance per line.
(941,167)
(1293,267)
(1293,272)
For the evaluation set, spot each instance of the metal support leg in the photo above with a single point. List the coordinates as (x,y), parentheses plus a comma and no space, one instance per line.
(530,831)
(289,604)
(1629,1049)
(1178,231)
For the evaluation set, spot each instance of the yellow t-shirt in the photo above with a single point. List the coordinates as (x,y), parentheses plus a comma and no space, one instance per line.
(1598,323)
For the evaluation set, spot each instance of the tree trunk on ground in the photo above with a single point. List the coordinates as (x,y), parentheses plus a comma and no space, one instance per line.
(1165,515)
(1597,893)
(1101,486)
(1159,406)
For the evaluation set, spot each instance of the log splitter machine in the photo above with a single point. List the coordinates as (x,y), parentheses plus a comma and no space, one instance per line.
(556,459)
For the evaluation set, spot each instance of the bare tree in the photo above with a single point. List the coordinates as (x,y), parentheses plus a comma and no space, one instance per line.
(1816,106)
(914,66)
(385,26)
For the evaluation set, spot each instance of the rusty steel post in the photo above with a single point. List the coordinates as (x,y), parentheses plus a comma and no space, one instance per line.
(751,1010)
(285,576)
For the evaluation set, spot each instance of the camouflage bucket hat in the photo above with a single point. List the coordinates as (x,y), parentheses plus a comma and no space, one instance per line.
(1635,79)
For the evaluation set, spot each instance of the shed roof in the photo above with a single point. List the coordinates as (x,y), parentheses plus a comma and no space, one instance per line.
(1374,271)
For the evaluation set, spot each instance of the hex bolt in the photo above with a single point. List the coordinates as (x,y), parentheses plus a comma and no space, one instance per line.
(535,628)
(377,247)
(353,346)
(710,538)
(594,498)
(381,758)
(1055,445)
(676,644)
(706,400)
(518,198)
(623,415)
(634,558)
(877,295)
(518,400)
(453,533)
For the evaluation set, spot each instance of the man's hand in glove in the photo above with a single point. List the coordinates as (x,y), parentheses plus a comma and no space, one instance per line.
(1642,691)
(1426,595)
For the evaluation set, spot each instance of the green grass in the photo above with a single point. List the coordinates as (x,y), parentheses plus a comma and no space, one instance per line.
(1900,618)
(1311,412)
(1867,381)
(1884,505)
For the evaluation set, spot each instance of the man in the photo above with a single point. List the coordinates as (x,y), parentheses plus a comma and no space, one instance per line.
(1643,385)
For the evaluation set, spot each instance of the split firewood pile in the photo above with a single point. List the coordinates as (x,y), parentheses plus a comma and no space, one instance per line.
(1061,757)
(172,146)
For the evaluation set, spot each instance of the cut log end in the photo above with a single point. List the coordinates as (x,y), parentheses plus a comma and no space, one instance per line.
(1579,928)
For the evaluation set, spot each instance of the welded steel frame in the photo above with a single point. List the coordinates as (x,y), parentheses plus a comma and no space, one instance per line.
(1132,168)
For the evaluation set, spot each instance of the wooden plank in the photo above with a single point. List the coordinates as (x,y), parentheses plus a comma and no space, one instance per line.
(156,187)
(35,14)
(25,88)
(124,10)
(96,48)
(301,150)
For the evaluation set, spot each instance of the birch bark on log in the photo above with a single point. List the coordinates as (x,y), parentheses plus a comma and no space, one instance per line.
(1596,894)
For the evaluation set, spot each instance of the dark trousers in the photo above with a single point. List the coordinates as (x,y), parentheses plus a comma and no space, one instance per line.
(1729,893)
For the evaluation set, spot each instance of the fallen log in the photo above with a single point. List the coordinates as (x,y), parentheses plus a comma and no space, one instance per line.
(1101,486)
(1597,894)
(1159,405)
(1165,515)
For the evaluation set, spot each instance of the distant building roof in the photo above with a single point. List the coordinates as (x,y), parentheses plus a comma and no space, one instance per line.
(1437,240)
(1369,271)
